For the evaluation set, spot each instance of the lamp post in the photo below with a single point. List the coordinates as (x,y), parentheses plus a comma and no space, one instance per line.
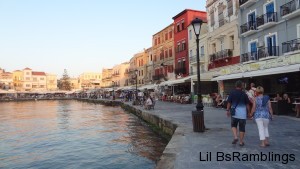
(136,92)
(198,115)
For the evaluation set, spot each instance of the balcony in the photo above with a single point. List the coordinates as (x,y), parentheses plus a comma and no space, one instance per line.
(116,74)
(180,71)
(158,77)
(267,20)
(221,22)
(291,47)
(193,59)
(248,28)
(246,3)
(268,52)
(290,9)
(219,56)
(249,57)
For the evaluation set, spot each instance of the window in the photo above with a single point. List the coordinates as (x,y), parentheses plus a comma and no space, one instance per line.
(155,58)
(183,46)
(155,41)
(142,72)
(27,73)
(202,51)
(221,16)
(178,27)
(170,52)
(27,78)
(182,25)
(161,55)
(142,62)
(271,41)
(298,29)
(212,18)
(34,79)
(178,47)
(190,34)
(166,53)
(27,85)
(191,53)
(222,43)
(229,8)
(231,43)
(170,34)
(150,57)
(166,37)
(158,40)
(213,48)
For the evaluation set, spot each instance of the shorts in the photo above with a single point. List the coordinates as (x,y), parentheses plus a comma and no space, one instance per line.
(241,122)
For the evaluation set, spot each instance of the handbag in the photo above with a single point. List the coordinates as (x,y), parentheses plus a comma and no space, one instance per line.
(232,109)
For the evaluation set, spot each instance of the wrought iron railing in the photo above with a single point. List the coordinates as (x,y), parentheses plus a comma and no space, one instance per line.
(266,18)
(268,52)
(248,26)
(289,7)
(250,56)
(291,46)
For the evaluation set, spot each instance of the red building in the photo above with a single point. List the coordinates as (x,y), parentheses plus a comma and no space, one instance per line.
(181,22)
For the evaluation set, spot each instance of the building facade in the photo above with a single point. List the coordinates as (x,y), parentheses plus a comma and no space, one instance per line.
(51,82)
(181,22)
(6,80)
(163,53)
(39,81)
(90,80)
(106,78)
(18,78)
(119,75)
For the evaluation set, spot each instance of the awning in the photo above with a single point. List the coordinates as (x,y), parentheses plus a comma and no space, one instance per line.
(272,71)
(203,76)
(264,72)
(177,81)
(150,86)
(230,76)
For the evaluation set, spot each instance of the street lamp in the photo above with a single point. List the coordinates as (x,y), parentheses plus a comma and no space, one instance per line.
(198,115)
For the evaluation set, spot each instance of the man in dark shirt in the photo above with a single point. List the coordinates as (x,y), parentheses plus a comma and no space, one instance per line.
(239,100)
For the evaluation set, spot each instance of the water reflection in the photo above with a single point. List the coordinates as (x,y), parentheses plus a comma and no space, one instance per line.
(60,134)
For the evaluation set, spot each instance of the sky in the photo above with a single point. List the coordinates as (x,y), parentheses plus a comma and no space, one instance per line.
(80,35)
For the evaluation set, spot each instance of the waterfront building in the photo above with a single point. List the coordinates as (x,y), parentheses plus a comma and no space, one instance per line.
(39,81)
(119,76)
(141,61)
(6,80)
(269,43)
(207,86)
(51,81)
(106,78)
(181,22)
(27,81)
(163,55)
(75,83)
(90,80)
(149,67)
(131,73)
(18,78)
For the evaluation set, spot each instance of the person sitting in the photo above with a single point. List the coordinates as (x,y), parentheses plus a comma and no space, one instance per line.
(286,98)
(219,100)
(278,97)
(149,103)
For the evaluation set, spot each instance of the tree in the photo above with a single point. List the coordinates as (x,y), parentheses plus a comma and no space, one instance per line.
(64,83)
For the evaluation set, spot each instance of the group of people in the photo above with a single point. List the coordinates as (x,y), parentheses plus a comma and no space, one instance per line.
(251,104)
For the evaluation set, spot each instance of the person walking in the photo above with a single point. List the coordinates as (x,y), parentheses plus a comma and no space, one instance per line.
(238,107)
(262,111)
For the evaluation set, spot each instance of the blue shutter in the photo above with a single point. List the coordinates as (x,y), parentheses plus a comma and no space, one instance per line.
(270,8)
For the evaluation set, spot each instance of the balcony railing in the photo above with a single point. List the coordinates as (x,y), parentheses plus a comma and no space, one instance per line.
(116,74)
(250,56)
(180,71)
(157,77)
(221,55)
(291,46)
(266,18)
(221,22)
(193,59)
(248,27)
(268,52)
(289,7)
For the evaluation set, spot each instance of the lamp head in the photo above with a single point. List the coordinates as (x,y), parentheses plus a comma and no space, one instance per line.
(197,26)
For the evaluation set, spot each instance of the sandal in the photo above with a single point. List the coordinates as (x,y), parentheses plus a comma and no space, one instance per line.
(242,144)
(235,141)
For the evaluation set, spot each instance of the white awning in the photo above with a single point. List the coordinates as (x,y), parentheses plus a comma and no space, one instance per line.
(227,77)
(264,72)
(272,71)
(150,86)
(177,81)
(203,76)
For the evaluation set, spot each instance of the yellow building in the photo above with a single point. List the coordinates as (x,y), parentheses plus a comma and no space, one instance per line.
(75,83)
(18,80)
(163,54)
(119,75)
(106,78)
(6,80)
(39,81)
(90,80)
(51,82)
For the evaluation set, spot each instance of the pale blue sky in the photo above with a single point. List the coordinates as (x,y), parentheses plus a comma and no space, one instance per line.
(80,35)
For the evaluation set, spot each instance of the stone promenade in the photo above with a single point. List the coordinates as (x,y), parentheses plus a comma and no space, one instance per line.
(183,150)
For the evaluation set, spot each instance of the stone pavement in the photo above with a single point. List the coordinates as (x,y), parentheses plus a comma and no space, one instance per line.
(186,145)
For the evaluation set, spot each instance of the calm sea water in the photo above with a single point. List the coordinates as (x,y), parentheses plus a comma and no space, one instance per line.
(71,134)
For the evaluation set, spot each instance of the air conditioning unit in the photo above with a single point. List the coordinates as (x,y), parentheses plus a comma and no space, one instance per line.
(261,44)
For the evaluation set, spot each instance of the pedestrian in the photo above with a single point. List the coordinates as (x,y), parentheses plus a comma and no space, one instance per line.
(238,107)
(262,111)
